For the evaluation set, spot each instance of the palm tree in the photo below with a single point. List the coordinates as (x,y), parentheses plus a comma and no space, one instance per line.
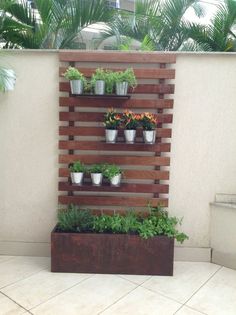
(51,24)
(219,35)
(161,21)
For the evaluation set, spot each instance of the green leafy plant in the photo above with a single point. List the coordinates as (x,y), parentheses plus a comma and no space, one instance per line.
(112,119)
(126,76)
(97,168)
(155,222)
(74,74)
(111,170)
(110,81)
(74,219)
(130,120)
(77,167)
(100,74)
(148,121)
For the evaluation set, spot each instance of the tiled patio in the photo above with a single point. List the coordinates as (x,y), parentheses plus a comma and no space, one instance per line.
(28,287)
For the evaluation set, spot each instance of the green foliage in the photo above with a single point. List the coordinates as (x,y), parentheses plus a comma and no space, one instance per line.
(110,81)
(126,76)
(77,167)
(157,222)
(97,168)
(100,74)
(111,170)
(74,74)
(74,219)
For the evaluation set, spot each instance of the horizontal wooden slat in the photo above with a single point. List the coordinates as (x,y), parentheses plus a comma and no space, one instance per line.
(121,160)
(156,73)
(96,145)
(117,57)
(112,201)
(140,88)
(131,174)
(116,103)
(129,188)
(99,117)
(100,132)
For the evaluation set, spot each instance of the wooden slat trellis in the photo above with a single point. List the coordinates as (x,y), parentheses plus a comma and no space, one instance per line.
(82,133)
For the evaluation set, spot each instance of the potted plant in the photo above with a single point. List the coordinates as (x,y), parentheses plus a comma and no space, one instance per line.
(96,171)
(77,80)
(131,122)
(98,81)
(113,173)
(109,81)
(77,171)
(112,121)
(133,243)
(148,122)
(124,79)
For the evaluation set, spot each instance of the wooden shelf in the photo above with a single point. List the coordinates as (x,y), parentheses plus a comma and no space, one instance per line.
(106,96)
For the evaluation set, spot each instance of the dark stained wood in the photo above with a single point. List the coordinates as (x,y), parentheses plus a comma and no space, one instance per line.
(116,103)
(111,253)
(99,117)
(117,57)
(121,160)
(96,145)
(100,131)
(112,201)
(124,187)
(131,174)
(140,89)
(144,73)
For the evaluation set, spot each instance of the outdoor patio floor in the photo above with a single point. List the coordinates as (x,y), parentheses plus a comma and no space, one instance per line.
(28,287)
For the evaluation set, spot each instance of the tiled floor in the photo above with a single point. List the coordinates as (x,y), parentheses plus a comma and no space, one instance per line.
(28,287)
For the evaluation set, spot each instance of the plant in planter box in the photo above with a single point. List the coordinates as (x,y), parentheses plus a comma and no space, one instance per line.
(112,121)
(97,171)
(98,81)
(148,121)
(131,122)
(113,173)
(77,171)
(77,80)
(123,80)
(133,243)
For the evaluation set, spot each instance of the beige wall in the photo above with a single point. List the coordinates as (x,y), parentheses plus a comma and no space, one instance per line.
(202,158)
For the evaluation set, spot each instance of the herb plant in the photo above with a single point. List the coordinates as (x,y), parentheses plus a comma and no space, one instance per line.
(97,168)
(156,222)
(74,74)
(77,167)
(111,170)
(126,76)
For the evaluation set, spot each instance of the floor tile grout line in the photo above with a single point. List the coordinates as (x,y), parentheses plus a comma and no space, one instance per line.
(15,302)
(106,308)
(133,281)
(185,303)
(32,308)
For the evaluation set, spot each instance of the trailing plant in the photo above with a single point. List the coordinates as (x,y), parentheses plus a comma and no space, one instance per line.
(74,219)
(130,120)
(110,81)
(97,168)
(112,120)
(112,170)
(74,74)
(148,121)
(77,167)
(126,76)
(155,222)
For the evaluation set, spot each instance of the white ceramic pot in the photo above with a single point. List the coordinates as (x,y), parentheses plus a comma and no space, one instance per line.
(76,86)
(149,136)
(111,135)
(96,179)
(129,136)
(99,87)
(115,181)
(121,88)
(77,178)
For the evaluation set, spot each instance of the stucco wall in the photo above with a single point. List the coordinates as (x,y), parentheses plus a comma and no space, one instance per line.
(202,158)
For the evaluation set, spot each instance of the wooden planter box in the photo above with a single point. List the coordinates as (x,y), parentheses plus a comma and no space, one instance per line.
(111,254)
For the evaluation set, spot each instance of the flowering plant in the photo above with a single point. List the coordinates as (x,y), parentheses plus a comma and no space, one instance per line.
(130,120)
(112,119)
(148,121)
